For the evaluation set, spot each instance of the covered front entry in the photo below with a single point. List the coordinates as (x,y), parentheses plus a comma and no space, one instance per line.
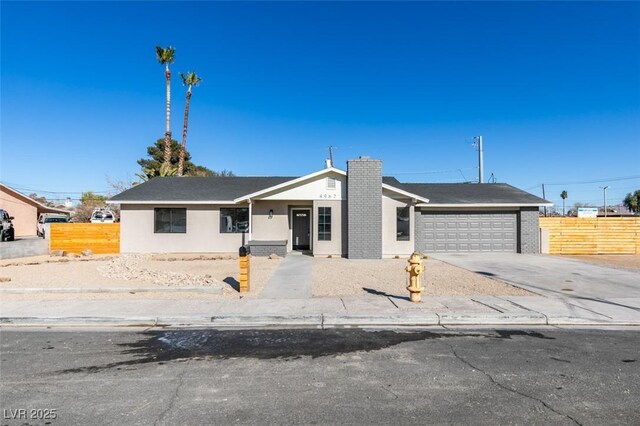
(442,232)
(301,229)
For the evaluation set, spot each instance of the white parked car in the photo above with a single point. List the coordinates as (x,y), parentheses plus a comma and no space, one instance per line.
(102,215)
(46,219)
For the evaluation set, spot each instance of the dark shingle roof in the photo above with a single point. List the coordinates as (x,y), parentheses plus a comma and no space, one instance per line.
(198,188)
(390,180)
(212,189)
(470,193)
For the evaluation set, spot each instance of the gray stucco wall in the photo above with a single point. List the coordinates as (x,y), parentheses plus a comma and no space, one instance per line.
(529,230)
(390,245)
(418,232)
(334,245)
(364,208)
(203,231)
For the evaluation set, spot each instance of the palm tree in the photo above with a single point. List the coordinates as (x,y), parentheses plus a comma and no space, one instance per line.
(564,196)
(165,57)
(190,80)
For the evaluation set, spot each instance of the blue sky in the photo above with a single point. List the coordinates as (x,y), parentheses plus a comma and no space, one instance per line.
(554,88)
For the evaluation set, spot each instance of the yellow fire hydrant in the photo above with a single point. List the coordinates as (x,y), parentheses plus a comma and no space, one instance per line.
(415,269)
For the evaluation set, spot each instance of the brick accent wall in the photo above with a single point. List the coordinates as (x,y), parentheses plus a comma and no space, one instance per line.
(529,229)
(266,248)
(364,208)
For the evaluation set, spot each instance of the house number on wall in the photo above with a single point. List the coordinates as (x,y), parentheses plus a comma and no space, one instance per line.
(325,196)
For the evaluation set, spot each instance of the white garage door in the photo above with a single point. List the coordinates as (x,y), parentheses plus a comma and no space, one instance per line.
(467,232)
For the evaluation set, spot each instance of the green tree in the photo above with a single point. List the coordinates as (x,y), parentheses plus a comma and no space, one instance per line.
(189,80)
(41,199)
(564,196)
(154,166)
(91,198)
(88,202)
(632,201)
(166,57)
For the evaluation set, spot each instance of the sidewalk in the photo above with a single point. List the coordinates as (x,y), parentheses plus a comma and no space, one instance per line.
(371,311)
(568,293)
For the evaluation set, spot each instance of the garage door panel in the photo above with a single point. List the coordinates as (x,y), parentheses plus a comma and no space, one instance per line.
(468,232)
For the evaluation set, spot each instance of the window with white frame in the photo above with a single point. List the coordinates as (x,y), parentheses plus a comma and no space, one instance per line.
(324,223)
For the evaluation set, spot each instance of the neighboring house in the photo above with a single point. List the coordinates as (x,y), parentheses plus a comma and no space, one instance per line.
(24,209)
(358,214)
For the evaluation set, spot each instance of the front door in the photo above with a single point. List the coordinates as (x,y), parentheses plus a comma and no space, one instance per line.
(301,229)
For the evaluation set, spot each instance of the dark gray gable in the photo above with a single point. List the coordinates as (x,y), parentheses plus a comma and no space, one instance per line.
(176,189)
(470,193)
(390,180)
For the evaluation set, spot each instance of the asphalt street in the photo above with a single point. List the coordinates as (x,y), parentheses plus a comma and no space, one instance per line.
(335,376)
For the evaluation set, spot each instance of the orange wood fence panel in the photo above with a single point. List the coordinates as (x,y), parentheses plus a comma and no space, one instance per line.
(100,238)
(611,235)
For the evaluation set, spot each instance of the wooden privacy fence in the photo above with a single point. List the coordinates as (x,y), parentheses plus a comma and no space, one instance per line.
(100,238)
(572,235)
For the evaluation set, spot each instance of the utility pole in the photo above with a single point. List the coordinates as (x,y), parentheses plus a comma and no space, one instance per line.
(480,160)
(544,198)
(331,155)
(604,189)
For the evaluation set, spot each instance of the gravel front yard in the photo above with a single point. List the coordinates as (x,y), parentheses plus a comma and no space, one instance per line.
(331,277)
(344,277)
(133,271)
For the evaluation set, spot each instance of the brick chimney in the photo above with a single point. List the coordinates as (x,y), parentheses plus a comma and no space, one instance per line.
(364,208)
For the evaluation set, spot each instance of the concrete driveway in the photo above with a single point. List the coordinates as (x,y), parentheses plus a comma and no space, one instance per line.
(23,247)
(549,275)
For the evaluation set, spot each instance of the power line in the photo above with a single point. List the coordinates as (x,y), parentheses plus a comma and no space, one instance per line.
(24,188)
(586,182)
(428,172)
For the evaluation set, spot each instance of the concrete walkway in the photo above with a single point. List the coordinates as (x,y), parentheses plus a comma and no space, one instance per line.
(292,279)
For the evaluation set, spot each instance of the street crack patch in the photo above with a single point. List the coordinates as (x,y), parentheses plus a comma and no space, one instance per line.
(508,389)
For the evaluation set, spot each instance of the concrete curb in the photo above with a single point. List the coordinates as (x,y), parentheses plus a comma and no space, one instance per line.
(267,320)
(311,321)
(409,319)
(494,319)
(105,321)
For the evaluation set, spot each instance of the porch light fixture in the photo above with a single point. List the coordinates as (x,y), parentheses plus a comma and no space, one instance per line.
(271,214)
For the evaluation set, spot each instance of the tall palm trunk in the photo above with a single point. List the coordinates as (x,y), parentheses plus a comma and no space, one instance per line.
(167,133)
(184,133)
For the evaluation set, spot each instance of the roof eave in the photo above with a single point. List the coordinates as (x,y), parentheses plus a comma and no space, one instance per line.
(405,193)
(486,205)
(31,200)
(160,202)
